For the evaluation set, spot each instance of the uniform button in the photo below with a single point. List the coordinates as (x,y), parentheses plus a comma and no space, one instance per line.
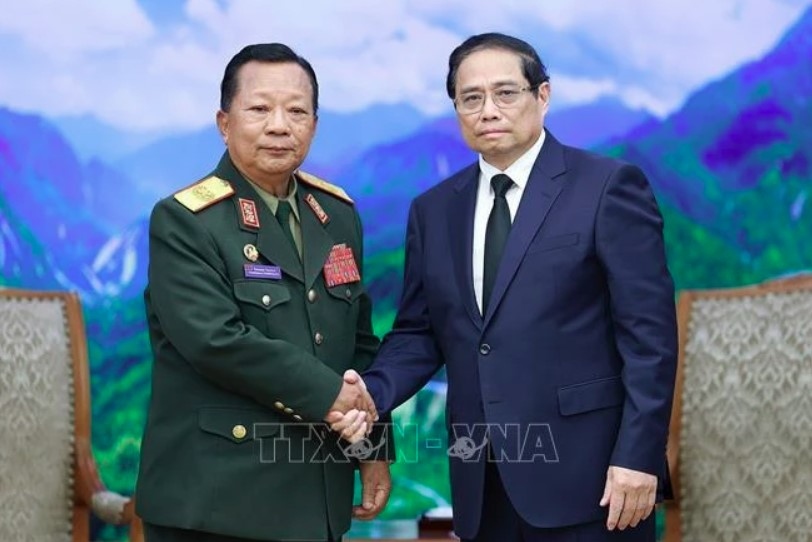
(239,431)
(348,293)
(318,338)
(279,405)
(484,349)
(288,410)
(266,300)
(297,417)
(312,295)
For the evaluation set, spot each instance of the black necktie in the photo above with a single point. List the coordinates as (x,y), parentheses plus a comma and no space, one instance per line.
(283,211)
(496,234)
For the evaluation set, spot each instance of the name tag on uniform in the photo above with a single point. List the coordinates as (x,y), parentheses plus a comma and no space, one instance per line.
(259,271)
(341,267)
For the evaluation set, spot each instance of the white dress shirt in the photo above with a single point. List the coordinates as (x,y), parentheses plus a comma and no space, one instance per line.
(519,172)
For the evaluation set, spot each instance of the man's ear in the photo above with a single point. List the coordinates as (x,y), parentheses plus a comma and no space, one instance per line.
(544,96)
(222,125)
(545,90)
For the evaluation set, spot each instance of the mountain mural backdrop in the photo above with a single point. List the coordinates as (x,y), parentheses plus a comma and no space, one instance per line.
(730,168)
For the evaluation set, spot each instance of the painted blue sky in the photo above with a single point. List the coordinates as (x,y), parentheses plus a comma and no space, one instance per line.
(155,65)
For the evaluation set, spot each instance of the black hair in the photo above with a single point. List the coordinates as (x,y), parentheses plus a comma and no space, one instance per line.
(263,52)
(533,68)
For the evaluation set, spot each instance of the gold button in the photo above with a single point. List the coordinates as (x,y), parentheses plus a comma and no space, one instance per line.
(266,300)
(288,410)
(239,431)
(318,338)
(348,293)
(279,405)
(311,296)
(297,417)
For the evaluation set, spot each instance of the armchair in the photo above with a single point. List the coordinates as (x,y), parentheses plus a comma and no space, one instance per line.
(48,477)
(741,428)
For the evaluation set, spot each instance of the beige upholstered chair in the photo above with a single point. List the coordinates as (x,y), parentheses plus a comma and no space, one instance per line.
(740,449)
(48,478)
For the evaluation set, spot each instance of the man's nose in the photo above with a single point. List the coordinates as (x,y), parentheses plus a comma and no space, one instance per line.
(277,121)
(489,108)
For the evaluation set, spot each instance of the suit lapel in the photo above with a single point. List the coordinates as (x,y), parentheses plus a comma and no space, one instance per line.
(461,235)
(543,187)
(315,239)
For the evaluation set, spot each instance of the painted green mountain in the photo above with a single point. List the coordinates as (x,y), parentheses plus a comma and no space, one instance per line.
(732,170)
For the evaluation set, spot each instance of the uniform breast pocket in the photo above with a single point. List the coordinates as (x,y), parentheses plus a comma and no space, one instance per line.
(345,305)
(261,301)
(349,293)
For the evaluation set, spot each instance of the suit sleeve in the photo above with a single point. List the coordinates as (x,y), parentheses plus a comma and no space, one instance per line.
(366,342)
(193,300)
(630,246)
(366,345)
(409,355)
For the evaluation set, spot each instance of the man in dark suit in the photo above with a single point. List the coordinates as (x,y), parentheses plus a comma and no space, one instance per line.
(538,277)
(256,307)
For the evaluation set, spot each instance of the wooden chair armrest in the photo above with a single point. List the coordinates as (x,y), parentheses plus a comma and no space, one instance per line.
(136,525)
(112,508)
(86,475)
(90,492)
(673,522)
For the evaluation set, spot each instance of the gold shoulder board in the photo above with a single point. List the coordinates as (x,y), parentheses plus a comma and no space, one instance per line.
(204,193)
(323,185)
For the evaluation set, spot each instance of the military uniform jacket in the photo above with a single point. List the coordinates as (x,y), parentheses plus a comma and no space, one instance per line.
(246,368)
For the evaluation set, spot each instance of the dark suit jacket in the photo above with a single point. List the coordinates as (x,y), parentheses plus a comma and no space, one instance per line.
(572,367)
(233,351)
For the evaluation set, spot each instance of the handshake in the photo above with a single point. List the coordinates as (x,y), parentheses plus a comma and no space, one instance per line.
(353,413)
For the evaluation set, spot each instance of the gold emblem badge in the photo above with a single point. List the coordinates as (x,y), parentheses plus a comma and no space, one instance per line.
(250,252)
(204,193)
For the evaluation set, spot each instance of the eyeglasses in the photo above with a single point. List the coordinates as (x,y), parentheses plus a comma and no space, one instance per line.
(503,98)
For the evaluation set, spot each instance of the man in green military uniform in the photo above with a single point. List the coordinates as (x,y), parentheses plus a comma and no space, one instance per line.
(256,309)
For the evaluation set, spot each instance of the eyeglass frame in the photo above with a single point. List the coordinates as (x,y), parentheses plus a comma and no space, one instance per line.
(495,101)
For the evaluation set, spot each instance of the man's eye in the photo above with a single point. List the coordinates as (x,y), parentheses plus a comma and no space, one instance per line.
(507,92)
(472,98)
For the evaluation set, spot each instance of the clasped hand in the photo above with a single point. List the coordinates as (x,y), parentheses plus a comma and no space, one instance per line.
(352,416)
(353,413)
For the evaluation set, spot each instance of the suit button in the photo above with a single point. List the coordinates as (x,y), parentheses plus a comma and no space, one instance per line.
(312,295)
(297,417)
(266,300)
(288,410)
(318,338)
(279,405)
(484,349)
(348,293)
(239,431)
